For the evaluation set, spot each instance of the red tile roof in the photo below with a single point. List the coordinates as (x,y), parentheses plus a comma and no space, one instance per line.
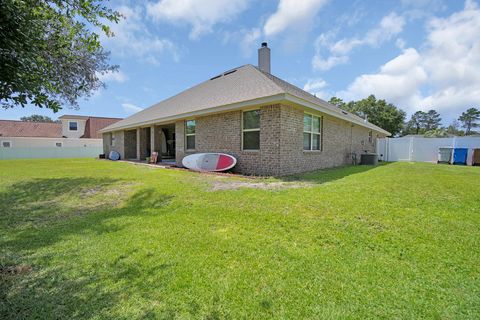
(13,128)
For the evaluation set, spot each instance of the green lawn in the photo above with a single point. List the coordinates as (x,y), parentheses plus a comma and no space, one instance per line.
(94,239)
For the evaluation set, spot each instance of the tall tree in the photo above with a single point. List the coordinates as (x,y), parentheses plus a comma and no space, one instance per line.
(432,120)
(416,123)
(37,118)
(470,119)
(379,112)
(337,102)
(454,129)
(50,53)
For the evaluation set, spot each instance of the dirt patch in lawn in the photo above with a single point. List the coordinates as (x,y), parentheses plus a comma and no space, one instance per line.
(220,184)
(15,270)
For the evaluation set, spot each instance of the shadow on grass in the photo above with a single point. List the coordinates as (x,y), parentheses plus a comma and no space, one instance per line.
(39,213)
(331,174)
(39,201)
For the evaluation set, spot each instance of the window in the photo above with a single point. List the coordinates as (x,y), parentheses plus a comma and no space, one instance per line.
(251,130)
(58,144)
(370,136)
(112,139)
(6,144)
(72,126)
(312,132)
(190,127)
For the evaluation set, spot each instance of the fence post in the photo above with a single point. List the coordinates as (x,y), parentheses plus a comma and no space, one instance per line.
(410,153)
(387,148)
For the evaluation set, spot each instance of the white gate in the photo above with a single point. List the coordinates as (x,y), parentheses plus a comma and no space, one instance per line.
(421,149)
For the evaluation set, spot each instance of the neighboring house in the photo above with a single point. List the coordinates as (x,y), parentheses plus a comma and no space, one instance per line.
(75,136)
(268,124)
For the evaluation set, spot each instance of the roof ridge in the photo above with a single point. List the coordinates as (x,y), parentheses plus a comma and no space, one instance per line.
(266,76)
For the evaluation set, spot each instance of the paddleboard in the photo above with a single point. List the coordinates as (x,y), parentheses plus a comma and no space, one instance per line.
(209,162)
(114,155)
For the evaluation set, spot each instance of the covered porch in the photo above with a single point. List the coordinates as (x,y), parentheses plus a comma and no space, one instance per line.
(139,143)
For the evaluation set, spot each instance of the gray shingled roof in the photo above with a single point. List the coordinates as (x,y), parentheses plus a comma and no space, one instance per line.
(245,84)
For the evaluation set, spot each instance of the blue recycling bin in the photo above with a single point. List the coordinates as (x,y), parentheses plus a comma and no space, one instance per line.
(460,156)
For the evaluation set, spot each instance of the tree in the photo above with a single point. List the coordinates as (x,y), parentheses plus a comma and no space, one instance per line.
(337,102)
(50,53)
(436,133)
(37,118)
(421,122)
(432,120)
(454,129)
(469,120)
(416,123)
(379,112)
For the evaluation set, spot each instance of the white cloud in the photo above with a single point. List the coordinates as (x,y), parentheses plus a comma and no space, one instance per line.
(292,14)
(112,76)
(338,52)
(131,108)
(250,40)
(132,38)
(422,9)
(201,15)
(316,87)
(247,39)
(399,79)
(444,75)
(400,43)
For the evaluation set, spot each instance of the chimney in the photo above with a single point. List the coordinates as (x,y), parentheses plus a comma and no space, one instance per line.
(264,58)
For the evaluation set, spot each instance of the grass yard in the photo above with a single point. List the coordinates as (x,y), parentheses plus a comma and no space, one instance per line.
(91,239)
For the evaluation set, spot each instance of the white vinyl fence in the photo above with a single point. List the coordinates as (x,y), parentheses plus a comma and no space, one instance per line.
(419,149)
(29,148)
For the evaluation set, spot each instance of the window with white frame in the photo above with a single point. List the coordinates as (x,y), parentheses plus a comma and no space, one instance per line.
(59,144)
(190,128)
(73,125)
(312,132)
(251,130)
(112,139)
(370,136)
(6,144)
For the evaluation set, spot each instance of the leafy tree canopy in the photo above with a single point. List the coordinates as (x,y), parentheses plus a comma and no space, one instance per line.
(421,122)
(436,133)
(50,53)
(454,129)
(377,111)
(38,118)
(432,120)
(470,119)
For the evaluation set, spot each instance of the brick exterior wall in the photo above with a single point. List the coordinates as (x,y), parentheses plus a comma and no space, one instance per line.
(281,141)
(119,143)
(339,139)
(223,133)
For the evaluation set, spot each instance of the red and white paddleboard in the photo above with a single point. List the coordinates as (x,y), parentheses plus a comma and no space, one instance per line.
(209,162)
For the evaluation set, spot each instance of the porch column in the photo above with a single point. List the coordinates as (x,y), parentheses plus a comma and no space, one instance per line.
(138,143)
(152,139)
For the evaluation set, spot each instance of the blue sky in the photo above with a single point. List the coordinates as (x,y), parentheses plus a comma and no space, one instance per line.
(417,54)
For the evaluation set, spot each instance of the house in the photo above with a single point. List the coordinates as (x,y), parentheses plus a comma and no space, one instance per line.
(271,126)
(85,127)
(73,136)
